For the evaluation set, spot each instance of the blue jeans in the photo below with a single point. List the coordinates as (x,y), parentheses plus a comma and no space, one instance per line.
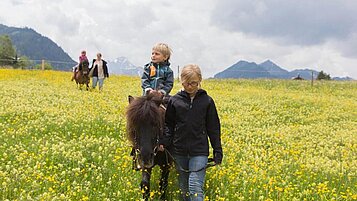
(191,182)
(100,82)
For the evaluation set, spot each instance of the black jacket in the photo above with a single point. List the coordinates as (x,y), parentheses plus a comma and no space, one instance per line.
(95,71)
(189,125)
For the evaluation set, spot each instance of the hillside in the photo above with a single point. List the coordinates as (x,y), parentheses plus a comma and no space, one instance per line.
(281,139)
(244,69)
(275,70)
(37,47)
(267,69)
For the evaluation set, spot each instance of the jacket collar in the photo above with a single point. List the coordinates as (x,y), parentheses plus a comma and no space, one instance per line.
(164,63)
(186,95)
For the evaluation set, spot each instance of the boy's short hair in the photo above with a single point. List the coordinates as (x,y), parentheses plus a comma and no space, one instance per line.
(190,71)
(164,49)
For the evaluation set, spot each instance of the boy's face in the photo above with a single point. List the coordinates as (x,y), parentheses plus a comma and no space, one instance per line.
(157,57)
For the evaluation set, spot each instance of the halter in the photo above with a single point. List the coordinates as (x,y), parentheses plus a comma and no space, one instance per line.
(137,153)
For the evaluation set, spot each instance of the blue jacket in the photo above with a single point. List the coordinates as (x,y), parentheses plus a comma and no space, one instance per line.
(159,77)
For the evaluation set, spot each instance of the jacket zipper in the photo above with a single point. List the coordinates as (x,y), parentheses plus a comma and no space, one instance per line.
(189,147)
(157,76)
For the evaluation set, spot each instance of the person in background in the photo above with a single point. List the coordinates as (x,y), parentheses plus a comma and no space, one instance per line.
(98,71)
(82,58)
(191,119)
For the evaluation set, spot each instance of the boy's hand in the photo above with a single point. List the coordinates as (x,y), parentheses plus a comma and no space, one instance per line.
(163,92)
(148,90)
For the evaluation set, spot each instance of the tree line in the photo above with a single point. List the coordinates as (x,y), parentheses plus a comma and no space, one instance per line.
(10,58)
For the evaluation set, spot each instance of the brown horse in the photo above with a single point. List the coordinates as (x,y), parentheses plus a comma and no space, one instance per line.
(82,76)
(145,119)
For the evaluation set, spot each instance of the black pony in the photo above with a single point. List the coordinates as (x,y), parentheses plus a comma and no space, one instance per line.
(145,119)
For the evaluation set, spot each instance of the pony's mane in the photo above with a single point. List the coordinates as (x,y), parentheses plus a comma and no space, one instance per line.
(143,111)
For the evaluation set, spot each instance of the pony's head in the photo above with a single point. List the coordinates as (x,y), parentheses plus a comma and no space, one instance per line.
(84,66)
(145,118)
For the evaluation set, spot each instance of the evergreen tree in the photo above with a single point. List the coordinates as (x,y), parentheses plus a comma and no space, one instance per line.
(7,51)
(23,62)
(323,76)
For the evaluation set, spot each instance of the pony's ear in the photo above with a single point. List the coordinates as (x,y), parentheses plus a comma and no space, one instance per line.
(130,98)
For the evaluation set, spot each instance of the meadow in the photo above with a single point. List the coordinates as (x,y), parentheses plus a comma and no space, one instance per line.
(282,140)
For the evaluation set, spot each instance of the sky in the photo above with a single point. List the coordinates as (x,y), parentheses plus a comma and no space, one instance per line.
(215,34)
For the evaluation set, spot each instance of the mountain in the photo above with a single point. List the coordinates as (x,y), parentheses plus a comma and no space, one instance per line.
(275,70)
(37,47)
(244,69)
(122,66)
(343,78)
(267,69)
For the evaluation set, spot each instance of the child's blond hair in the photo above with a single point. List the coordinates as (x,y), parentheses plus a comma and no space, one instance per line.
(164,49)
(190,71)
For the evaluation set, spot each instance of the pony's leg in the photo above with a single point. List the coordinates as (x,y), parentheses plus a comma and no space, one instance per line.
(165,170)
(145,183)
(87,83)
(74,75)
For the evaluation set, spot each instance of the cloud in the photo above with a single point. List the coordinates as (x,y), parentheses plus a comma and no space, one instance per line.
(302,22)
(19,2)
(347,46)
(211,33)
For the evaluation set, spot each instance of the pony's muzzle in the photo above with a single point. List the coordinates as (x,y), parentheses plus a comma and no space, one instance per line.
(146,161)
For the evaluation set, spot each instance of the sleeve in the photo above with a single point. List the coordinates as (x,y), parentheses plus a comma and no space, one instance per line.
(170,123)
(213,126)
(105,69)
(145,79)
(92,65)
(169,81)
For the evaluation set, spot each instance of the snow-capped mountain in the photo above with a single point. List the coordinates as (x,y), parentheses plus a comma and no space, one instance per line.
(122,66)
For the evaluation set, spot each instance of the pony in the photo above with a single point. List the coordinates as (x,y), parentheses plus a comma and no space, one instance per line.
(145,120)
(82,76)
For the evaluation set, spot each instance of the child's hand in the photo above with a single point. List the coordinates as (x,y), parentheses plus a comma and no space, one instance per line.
(161,147)
(218,158)
(148,90)
(163,92)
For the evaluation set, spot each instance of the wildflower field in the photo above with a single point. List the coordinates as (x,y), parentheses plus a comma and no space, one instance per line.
(282,140)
